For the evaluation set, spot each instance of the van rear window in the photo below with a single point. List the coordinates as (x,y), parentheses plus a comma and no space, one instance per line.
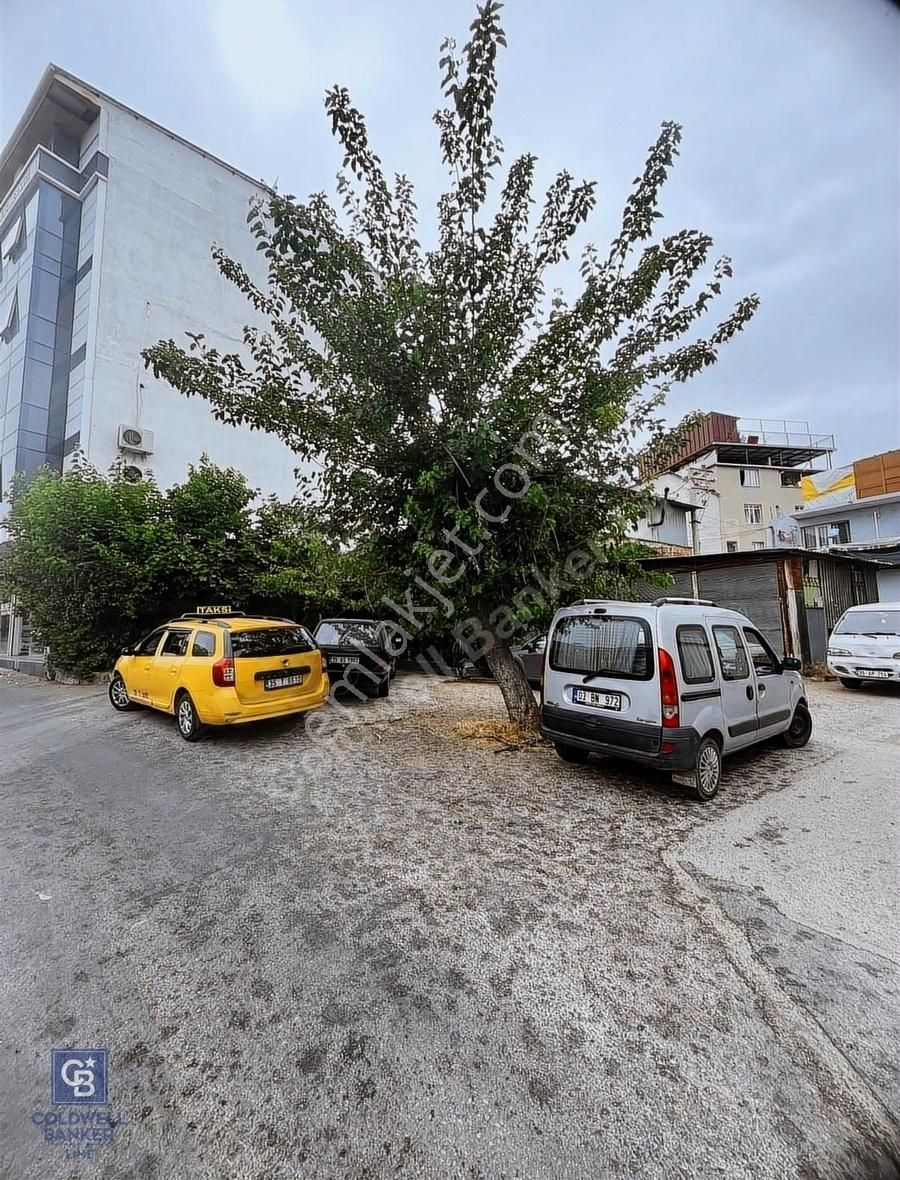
(617,646)
(272,641)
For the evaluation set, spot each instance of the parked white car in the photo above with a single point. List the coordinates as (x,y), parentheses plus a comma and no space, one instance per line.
(865,645)
(675,684)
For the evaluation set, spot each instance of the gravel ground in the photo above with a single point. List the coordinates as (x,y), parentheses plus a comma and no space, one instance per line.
(416,956)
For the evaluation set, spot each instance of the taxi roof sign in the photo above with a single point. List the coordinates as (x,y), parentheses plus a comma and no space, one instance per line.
(215,610)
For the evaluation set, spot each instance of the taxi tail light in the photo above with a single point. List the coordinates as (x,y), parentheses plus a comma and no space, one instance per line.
(668,689)
(223,672)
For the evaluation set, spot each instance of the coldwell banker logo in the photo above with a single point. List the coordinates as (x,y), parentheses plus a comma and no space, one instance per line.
(79,1078)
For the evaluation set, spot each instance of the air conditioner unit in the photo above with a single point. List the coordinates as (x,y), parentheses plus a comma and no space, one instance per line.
(135,438)
(132,474)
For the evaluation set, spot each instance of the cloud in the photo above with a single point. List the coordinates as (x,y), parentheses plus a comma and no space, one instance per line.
(279,55)
(263,49)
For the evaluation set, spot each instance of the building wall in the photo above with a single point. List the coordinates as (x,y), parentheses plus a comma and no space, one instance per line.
(773,498)
(868,522)
(889,585)
(164,206)
(667,525)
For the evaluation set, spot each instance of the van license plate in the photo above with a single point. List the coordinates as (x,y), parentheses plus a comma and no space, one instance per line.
(340,661)
(283,681)
(600,700)
(873,673)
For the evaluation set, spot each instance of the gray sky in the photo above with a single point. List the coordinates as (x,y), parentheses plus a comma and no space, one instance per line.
(791,124)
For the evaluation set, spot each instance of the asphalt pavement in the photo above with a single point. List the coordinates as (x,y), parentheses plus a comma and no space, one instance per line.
(415,956)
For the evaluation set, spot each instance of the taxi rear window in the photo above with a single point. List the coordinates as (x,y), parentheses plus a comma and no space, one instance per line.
(270,641)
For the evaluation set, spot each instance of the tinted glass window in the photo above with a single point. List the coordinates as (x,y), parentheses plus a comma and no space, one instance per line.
(732,654)
(204,644)
(270,641)
(869,622)
(148,646)
(764,659)
(695,655)
(348,631)
(609,645)
(176,643)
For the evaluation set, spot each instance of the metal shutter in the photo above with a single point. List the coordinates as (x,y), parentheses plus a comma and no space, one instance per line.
(751,589)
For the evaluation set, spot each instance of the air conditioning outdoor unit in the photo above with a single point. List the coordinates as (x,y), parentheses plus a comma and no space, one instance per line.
(135,438)
(132,473)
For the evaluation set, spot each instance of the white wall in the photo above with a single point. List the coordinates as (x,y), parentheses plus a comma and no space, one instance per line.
(165,204)
(685,485)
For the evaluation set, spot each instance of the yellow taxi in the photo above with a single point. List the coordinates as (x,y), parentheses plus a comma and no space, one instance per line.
(221,667)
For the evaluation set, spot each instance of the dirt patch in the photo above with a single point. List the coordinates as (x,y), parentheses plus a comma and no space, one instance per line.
(496,733)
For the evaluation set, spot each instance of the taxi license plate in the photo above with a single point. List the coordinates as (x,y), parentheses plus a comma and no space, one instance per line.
(600,700)
(873,673)
(272,682)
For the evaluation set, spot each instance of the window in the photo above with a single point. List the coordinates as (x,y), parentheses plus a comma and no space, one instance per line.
(749,477)
(753,513)
(176,643)
(790,479)
(337,632)
(731,547)
(695,654)
(774,511)
(148,646)
(608,645)
(732,654)
(764,659)
(869,622)
(204,644)
(9,319)
(15,238)
(822,536)
(758,544)
(271,641)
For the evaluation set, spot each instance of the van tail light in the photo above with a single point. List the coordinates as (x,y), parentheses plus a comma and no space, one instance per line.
(223,672)
(668,688)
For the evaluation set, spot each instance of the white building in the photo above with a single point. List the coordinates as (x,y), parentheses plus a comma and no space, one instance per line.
(742,475)
(106,223)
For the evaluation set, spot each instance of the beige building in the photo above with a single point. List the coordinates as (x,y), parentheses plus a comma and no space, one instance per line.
(743,475)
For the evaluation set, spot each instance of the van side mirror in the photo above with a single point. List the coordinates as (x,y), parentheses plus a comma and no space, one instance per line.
(791,664)
(127,651)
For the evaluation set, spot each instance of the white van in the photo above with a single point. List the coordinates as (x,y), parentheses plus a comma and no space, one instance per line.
(865,645)
(673,684)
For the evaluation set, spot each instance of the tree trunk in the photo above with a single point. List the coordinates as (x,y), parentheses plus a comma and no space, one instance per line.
(510,676)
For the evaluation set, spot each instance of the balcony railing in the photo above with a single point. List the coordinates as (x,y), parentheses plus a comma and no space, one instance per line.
(776,432)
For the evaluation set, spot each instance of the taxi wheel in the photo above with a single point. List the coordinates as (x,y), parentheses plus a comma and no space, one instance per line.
(384,689)
(189,724)
(118,695)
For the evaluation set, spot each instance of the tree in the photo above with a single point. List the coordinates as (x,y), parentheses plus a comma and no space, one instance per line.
(79,561)
(96,561)
(473,429)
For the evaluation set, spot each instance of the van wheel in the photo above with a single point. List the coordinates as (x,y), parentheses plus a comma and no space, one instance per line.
(848,683)
(800,729)
(570,753)
(189,724)
(118,695)
(708,770)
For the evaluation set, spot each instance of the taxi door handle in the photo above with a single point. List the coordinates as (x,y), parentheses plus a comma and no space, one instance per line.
(173,671)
